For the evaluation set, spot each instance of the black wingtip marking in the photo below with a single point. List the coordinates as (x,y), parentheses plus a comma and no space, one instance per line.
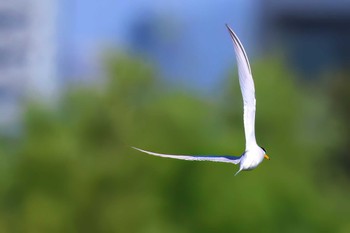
(238,42)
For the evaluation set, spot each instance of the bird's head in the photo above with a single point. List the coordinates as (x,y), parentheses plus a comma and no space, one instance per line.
(265,155)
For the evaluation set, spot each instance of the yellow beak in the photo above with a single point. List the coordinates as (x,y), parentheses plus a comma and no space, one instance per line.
(266,157)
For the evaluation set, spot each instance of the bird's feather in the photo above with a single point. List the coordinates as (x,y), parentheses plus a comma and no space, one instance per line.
(213,158)
(247,87)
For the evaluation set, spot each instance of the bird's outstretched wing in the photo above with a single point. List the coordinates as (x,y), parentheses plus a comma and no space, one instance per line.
(213,158)
(247,87)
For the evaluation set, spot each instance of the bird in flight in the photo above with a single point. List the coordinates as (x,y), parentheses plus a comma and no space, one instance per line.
(253,154)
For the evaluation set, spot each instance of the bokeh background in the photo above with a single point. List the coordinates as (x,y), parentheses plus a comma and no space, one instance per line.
(81,81)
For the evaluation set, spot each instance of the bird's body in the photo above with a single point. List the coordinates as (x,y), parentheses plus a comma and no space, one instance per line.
(251,158)
(253,154)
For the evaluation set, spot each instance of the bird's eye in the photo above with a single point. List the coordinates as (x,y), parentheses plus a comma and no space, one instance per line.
(263,149)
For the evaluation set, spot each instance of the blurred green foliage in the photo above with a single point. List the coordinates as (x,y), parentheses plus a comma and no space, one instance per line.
(73,170)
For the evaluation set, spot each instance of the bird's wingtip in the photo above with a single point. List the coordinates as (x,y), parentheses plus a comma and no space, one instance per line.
(228,27)
(135,148)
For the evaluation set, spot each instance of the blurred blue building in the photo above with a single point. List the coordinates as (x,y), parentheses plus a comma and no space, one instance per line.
(27,55)
(314,35)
